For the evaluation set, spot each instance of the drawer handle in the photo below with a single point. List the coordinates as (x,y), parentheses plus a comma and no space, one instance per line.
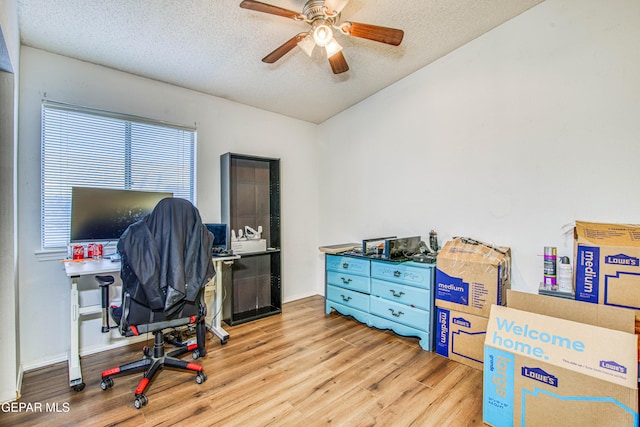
(345,299)
(396,294)
(393,313)
(345,265)
(345,281)
(397,273)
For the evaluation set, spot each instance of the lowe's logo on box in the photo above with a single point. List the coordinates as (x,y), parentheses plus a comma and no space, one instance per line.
(451,289)
(613,366)
(622,259)
(540,375)
(461,321)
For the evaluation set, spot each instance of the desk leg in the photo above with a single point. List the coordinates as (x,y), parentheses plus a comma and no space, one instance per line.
(216,324)
(75,371)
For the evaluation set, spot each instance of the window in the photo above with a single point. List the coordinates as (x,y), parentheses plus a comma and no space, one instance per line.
(83,147)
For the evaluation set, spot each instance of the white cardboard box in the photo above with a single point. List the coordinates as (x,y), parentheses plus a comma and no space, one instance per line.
(248,246)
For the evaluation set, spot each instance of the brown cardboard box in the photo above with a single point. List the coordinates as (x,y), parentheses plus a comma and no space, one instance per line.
(607,264)
(603,316)
(460,336)
(471,275)
(545,370)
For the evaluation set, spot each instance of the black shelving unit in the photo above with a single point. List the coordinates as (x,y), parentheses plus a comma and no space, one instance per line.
(250,193)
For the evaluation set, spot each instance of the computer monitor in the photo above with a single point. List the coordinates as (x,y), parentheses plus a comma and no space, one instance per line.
(103,214)
(220,235)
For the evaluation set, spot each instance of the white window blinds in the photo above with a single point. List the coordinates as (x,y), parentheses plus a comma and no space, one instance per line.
(84,147)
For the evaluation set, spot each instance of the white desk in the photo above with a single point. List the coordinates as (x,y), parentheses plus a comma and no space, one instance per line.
(216,324)
(76,269)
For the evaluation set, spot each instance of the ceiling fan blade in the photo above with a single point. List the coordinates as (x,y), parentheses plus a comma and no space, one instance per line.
(283,49)
(267,8)
(338,63)
(335,6)
(376,33)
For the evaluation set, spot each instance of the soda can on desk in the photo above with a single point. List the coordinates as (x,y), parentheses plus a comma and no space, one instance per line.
(95,251)
(78,252)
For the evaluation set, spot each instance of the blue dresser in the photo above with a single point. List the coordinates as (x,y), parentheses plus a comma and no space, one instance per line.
(383,294)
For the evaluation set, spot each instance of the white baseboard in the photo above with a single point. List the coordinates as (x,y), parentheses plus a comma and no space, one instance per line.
(41,363)
(300,296)
(19,383)
(18,388)
(85,352)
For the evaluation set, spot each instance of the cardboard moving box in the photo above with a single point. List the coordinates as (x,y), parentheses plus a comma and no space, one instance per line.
(607,264)
(460,336)
(471,275)
(541,370)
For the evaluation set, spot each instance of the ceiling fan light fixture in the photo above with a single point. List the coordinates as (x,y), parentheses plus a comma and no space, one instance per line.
(307,45)
(333,47)
(323,16)
(322,34)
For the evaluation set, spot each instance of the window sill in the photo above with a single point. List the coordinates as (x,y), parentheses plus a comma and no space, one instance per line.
(58,254)
(51,255)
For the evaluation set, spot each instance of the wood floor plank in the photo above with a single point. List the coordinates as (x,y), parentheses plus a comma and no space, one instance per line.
(300,368)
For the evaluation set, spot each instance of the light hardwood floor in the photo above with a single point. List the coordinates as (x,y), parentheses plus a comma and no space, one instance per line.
(300,368)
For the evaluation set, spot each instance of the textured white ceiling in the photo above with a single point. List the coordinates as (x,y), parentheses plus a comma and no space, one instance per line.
(215,47)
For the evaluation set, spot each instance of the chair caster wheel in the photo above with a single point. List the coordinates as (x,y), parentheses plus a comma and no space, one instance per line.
(146,351)
(201,377)
(140,401)
(223,341)
(106,383)
(195,354)
(79,387)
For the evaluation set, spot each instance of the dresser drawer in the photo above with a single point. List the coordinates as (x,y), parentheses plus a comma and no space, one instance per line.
(349,298)
(409,295)
(348,265)
(403,273)
(351,281)
(401,313)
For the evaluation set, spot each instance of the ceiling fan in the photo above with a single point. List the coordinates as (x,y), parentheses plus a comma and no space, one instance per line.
(324,17)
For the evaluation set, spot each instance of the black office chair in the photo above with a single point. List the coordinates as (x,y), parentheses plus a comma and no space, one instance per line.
(165,265)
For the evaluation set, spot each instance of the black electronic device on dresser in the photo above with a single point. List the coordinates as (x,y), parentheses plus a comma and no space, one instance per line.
(401,249)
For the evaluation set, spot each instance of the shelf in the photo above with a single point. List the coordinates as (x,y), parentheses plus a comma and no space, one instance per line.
(250,197)
(250,315)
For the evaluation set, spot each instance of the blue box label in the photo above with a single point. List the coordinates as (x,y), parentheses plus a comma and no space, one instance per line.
(498,387)
(451,289)
(500,285)
(588,273)
(442,334)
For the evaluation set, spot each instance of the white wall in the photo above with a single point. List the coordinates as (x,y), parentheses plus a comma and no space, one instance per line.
(508,139)
(10,375)
(223,126)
